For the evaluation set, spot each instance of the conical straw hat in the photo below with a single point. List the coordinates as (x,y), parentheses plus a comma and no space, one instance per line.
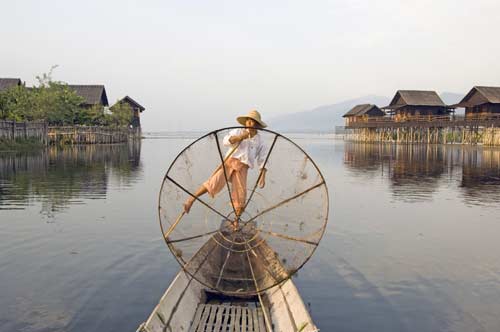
(253,114)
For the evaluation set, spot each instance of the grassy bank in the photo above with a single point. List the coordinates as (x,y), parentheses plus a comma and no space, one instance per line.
(20,145)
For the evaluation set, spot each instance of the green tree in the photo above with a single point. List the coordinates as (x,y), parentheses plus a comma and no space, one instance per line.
(50,101)
(121,115)
(91,116)
(55,101)
(16,104)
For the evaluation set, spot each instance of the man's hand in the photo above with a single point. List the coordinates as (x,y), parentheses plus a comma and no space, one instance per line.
(262,180)
(238,138)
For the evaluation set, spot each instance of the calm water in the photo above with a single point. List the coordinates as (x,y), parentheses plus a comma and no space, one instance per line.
(412,242)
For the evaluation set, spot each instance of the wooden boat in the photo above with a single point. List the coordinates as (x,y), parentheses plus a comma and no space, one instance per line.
(190,306)
(236,277)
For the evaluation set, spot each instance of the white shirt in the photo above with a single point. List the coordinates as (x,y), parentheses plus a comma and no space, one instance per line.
(251,151)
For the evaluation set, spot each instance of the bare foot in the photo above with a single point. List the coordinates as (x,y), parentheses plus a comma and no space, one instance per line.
(187,204)
(234,225)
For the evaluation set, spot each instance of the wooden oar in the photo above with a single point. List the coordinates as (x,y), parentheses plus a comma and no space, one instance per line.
(171,228)
(233,149)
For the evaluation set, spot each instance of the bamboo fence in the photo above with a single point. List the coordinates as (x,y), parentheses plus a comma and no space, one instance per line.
(12,130)
(41,132)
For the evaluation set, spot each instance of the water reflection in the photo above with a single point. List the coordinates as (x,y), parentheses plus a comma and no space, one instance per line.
(57,177)
(481,176)
(416,172)
(383,265)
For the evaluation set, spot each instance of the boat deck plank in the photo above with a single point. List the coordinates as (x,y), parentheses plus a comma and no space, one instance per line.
(218,320)
(231,319)
(237,326)
(227,318)
(244,314)
(254,319)
(250,320)
(260,320)
(201,323)
(211,317)
(196,319)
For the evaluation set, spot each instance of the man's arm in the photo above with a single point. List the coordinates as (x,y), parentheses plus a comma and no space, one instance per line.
(235,136)
(262,180)
(238,138)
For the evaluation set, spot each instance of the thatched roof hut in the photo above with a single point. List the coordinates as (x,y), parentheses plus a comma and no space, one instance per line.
(481,99)
(7,83)
(93,94)
(364,109)
(417,102)
(137,109)
(135,105)
(361,113)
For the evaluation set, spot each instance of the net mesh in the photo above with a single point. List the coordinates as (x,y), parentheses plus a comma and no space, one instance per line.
(248,247)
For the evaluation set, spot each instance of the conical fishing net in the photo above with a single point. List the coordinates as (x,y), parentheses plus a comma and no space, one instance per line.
(247,248)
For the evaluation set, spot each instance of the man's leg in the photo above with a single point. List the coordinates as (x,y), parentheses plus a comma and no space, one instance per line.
(239,191)
(189,202)
(213,185)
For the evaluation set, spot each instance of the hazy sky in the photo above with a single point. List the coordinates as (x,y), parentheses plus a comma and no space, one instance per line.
(195,65)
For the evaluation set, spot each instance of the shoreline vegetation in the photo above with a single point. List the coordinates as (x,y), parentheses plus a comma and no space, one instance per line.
(57,104)
(26,111)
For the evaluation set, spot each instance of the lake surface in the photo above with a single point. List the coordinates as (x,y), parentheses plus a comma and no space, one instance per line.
(412,243)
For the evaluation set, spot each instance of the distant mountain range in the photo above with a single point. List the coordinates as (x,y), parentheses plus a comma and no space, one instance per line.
(325,118)
(451,98)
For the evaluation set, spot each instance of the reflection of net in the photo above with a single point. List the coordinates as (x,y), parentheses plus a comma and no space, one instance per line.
(279,229)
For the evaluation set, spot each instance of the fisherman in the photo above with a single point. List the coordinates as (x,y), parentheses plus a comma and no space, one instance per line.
(248,150)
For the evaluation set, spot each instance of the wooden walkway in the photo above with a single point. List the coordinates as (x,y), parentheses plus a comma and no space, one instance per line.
(481,129)
(227,318)
(428,121)
(90,135)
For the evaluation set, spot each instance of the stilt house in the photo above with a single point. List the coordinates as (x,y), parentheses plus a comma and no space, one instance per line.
(481,100)
(412,103)
(361,113)
(137,109)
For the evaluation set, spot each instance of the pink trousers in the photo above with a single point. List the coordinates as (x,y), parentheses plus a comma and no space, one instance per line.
(236,172)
